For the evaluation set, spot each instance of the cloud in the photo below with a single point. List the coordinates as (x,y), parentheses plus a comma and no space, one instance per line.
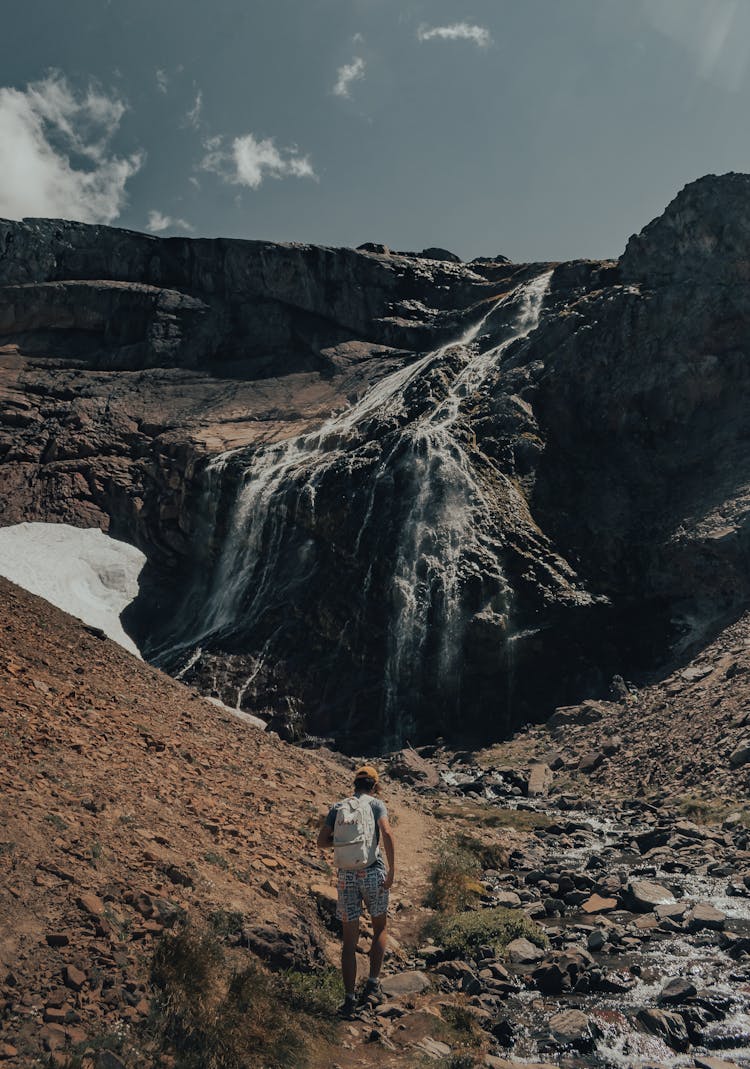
(56,156)
(157,222)
(193,116)
(162,80)
(457,31)
(350,72)
(249,161)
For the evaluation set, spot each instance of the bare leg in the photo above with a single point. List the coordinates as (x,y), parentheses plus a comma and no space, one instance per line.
(379,940)
(348,955)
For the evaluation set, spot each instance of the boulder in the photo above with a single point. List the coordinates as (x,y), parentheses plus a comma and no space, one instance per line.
(406,983)
(667,1025)
(572,1028)
(540,780)
(407,765)
(644,896)
(523,952)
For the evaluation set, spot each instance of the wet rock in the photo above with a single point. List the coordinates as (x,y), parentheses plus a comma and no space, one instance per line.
(597,904)
(705,916)
(644,896)
(667,1025)
(676,991)
(572,1028)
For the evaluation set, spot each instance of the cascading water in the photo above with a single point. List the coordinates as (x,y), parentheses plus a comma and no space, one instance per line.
(443,533)
(411,566)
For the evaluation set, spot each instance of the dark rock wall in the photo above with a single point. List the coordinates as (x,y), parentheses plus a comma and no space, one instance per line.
(603,460)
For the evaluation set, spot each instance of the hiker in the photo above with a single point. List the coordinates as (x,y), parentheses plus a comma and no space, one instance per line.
(355,828)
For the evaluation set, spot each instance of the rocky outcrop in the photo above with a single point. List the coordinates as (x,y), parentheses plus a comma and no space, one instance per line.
(568,489)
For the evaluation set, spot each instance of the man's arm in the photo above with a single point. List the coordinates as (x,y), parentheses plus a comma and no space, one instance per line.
(325,836)
(386,838)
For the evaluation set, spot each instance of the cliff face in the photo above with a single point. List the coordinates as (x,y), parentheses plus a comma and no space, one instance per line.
(408,537)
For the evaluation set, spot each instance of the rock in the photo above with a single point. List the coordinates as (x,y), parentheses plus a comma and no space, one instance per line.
(73,977)
(596,904)
(57,939)
(676,991)
(509,899)
(407,765)
(705,916)
(591,761)
(7,1050)
(540,780)
(433,1048)
(740,755)
(645,896)
(91,904)
(523,952)
(280,949)
(405,983)
(572,1028)
(667,1025)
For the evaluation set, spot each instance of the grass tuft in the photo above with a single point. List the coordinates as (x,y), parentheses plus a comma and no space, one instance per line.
(461,934)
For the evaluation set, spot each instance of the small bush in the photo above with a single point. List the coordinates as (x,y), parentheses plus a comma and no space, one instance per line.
(314,993)
(461,934)
(226,922)
(488,855)
(212,1017)
(454,881)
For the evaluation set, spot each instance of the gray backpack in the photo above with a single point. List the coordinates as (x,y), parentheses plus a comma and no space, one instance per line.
(354,836)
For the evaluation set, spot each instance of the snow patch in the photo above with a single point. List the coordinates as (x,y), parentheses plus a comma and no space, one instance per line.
(84,572)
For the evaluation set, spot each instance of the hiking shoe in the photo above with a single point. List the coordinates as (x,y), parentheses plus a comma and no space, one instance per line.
(348,1007)
(372,993)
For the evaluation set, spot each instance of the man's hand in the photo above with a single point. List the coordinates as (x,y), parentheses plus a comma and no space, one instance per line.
(325,837)
(386,838)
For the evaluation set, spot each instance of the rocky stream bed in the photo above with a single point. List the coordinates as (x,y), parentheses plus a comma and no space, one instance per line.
(647,917)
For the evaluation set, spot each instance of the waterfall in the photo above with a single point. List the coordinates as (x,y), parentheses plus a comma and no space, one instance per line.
(267,557)
(443,531)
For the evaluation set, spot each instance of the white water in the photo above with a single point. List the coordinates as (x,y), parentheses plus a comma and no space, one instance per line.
(448,513)
(84,572)
(279,488)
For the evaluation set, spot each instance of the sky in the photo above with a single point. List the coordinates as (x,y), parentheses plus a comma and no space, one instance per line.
(536,129)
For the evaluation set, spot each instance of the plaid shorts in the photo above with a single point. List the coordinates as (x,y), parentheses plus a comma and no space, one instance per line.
(366,886)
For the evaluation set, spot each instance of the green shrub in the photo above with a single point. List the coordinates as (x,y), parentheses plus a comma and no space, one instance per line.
(314,993)
(461,934)
(454,881)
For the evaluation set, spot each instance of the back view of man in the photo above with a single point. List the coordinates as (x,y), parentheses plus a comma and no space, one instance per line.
(356,827)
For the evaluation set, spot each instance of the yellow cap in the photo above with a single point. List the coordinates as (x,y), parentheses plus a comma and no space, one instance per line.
(367,772)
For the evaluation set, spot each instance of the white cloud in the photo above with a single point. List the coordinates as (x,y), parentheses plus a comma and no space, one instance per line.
(350,72)
(42,129)
(157,222)
(162,80)
(193,116)
(458,31)
(249,161)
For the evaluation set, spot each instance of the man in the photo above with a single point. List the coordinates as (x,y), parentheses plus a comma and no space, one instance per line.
(356,828)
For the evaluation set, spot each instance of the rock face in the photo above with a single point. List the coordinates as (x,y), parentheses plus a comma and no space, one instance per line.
(359,527)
